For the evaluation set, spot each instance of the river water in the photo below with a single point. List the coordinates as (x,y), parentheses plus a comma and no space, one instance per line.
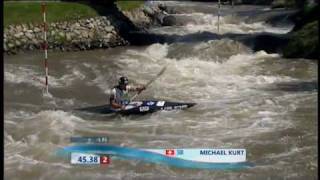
(253,100)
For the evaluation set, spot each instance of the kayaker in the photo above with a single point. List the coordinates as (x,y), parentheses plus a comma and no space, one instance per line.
(119,93)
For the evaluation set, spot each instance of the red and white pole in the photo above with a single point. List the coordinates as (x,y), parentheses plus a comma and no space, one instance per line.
(45,45)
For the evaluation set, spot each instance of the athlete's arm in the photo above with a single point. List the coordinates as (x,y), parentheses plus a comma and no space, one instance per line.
(136,88)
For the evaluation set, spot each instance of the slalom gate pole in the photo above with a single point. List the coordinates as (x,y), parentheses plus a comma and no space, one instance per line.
(45,45)
(218,16)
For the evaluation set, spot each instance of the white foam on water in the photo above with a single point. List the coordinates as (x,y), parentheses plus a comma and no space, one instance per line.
(25,74)
(101,82)
(209,23)
(40,132)
(240,28)
(25,161)
(59,119)
(17,114)
(30,75)
(157,50)
(209,73)
(203,80)
(68,79)
(20,74)
(45,124)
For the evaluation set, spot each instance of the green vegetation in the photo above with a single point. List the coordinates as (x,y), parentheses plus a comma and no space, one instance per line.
(304,42)
(283,3)
(304,16)
(30,12)
(129,5)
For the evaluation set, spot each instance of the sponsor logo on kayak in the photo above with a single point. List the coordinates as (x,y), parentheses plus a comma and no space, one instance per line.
(175,107)
(160,103)
(150,103)
(144,108)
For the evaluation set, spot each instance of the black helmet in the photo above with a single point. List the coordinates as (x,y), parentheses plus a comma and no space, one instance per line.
(123,80)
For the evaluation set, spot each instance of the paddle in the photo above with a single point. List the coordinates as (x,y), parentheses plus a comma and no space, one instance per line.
(151,81)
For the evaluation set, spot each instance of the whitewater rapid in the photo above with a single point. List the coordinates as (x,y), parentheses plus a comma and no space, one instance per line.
(246,99)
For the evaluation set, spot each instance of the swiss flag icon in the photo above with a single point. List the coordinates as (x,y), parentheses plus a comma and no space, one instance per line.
(104,160)
(170,152)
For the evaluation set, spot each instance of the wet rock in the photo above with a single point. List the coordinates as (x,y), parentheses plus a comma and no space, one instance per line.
(90,26)
(91,35)
(77,32)
(18,35)
(18,28)
(53,33)
(31,47)
(61,34)
(36,29)
(29,35)
(24,27)
(114,32)
(18,43)
(109,28)
(35,41)
(10,45)
(53,25)
(107,22)
(24,40)
(5,47)
(84,34)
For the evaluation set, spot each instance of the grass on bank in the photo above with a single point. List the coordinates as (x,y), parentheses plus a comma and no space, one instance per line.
(30,12)
(129,5)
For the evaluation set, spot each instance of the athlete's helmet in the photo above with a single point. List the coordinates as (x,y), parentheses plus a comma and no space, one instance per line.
(123,80)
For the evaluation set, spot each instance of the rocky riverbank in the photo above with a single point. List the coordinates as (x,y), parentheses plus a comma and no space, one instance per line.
(98,32)
(83,34)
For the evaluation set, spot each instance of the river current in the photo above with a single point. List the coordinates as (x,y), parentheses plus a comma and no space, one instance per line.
(245,99)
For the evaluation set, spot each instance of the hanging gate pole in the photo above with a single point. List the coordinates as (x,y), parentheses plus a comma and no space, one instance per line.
(219,16)
(45,45)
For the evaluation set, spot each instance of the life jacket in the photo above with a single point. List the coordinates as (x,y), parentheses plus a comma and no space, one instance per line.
(119,96)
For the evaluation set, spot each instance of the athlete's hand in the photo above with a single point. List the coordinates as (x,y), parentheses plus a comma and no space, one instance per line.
(123,107)
(141,88)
